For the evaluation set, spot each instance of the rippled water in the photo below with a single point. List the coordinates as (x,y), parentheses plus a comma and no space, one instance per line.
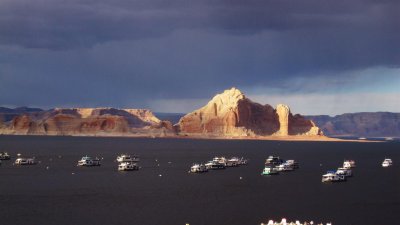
(66,194)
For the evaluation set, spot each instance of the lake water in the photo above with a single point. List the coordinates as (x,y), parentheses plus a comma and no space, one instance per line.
(64,194)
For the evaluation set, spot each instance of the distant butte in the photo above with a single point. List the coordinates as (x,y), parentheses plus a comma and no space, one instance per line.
(87,122)
(232,114)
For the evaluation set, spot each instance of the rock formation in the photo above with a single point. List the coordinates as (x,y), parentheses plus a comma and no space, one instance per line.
(87,121)
(283,116)
(232,114)
(229,114)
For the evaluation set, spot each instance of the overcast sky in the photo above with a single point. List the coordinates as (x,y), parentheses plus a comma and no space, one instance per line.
(319,57)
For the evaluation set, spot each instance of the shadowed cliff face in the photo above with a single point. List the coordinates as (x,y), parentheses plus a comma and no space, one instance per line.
(260,119)
(87,121)
(232,114)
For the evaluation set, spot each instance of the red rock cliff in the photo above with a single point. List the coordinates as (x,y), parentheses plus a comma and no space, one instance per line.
(88,121)
(232,114)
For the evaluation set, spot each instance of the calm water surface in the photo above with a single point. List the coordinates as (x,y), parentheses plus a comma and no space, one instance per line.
(67,195)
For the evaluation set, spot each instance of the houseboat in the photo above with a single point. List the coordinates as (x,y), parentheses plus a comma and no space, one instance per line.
(344,172)
(285,167)
(4,156)
(25,161)
(127,166)
(331,176)
(213,165)
(233,162)
(286,222)
(273,161)
(268,170)
(294,164)
(387,163)
(198,168)
(127,158)
(221,160)
(349,164)
(243,161)
(89,161)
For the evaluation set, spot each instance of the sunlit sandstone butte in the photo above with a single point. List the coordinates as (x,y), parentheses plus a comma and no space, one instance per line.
(232,114)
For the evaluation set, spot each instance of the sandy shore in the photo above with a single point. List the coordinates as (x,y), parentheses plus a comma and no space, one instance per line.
(208,137)
(278,138)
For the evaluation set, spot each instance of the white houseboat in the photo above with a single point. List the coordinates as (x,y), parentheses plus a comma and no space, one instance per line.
(221,160)
(273,161)
(331,176)
(89,161)
(293,163)
(232,162)
(25,161)
(387,163)
(243,161)
(4,156)
(127,158)
(297,222)
(213,165)
(349,164)
(285,167)
(344,171)
(198,168)
(268,170)
(127,166)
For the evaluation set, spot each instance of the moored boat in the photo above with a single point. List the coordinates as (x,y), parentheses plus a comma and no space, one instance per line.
(349,164)
(268,170)
(331,176)
(387,163)
(213,165)
(344,171)
(127,158)
(233,162)
(294,164)
(4,156)
(243,161)
(89,161)
(25,161)
(198,168)
(285,167)
(273,161)
(221,160)
(297,222)
(127,166)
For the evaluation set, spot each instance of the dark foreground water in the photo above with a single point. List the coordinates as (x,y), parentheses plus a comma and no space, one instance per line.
(102,195)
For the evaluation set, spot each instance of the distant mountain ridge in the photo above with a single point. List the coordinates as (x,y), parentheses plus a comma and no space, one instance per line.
(366,124)
(19,110)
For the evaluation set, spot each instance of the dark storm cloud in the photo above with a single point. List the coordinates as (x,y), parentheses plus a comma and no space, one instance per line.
(121,53)
(59,24)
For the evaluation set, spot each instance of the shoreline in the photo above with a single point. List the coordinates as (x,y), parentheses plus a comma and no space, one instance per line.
(205,137)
